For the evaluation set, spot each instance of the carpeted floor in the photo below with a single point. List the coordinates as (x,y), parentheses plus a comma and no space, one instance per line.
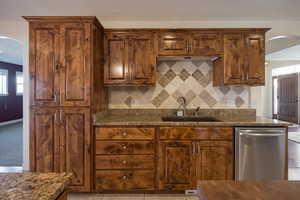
(11,144)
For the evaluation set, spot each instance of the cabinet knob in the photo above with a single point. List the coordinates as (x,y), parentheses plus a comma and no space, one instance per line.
(124,177)
(124,134)
(124,162)
(124,147)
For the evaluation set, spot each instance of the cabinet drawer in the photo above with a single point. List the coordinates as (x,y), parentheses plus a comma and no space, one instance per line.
(124,147)
(125,133)
(124,162)
(197,133)
(124,180)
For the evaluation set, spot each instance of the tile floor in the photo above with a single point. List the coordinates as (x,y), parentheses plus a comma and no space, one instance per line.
(95,196)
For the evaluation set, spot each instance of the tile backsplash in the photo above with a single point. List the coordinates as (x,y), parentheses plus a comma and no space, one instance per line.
(191,79)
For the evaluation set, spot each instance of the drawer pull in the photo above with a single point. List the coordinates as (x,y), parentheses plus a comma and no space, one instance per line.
(124,162)
(124,147)
(124,177)
(124,134)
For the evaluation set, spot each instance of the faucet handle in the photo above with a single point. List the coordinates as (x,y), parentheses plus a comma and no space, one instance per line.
(196,111)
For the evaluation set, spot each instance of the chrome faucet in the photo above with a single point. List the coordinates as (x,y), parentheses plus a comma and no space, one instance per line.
(196,113)
(182,103)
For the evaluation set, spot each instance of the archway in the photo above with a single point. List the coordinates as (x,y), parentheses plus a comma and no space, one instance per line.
(11,104)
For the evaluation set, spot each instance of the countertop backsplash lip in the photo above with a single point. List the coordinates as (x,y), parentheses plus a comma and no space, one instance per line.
(191,79)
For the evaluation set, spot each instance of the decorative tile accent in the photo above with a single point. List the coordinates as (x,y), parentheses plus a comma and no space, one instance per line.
(208,99)
(239,102)
(191,79)
(200,78)
(128,101)
(167,78)
(160,98)
(184,75)
(238,89)
(224,89)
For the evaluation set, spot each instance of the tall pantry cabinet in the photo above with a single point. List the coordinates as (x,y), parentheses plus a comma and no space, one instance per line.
(66,86)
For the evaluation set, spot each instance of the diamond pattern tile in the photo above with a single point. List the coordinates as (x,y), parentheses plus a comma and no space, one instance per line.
(160,98)
(200,78)
(184,74)
(191,79)
(239,102)
(208,99)
(224,89)
(167,78)
(238,89)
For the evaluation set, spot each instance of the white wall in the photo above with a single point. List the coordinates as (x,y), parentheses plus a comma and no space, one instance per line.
(19,31)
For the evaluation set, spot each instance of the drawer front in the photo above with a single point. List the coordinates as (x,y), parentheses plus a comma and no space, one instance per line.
(124,147)
(125,133)
(124,180)
(124,162)
(197,133)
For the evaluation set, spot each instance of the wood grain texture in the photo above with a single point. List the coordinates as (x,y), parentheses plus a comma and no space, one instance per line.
(173,43)
(176,165)
(206,44)
(75,67)
(214,160)
(125,133)
(43,62)
(247,190)
(124,180)
(44,140)
(124,147)
(75,153)
(124,162)
(63,196)
(196,133)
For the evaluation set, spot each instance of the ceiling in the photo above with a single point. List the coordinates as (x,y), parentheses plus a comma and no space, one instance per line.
(11,51)
(291,53)
(198,10)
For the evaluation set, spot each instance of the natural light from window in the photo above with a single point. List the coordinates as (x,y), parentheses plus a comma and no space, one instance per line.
(19,83)
(286,70)
(3,82)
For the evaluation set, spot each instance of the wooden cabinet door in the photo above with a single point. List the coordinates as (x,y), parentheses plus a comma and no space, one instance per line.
(175,165)
(44,141)
(255,58)
(214,160)
(116,58)
(142,59)
(75,64)
(75,149)
(44,63)
(233,59)
(205,44)
(173,44)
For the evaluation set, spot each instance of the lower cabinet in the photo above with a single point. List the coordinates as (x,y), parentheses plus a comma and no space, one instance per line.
(60,142)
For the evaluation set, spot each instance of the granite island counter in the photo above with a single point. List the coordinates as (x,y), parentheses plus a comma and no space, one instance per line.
(33,186)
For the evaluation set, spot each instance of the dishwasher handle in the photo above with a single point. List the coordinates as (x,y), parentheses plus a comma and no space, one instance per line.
(262,132)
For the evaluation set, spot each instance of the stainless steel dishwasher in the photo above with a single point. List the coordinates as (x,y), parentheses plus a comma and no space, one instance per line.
(260,153)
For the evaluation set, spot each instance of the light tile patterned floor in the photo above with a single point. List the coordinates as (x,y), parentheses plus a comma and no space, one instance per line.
(95,196)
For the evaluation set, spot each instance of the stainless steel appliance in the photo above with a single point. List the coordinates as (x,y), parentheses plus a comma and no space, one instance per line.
(260,153)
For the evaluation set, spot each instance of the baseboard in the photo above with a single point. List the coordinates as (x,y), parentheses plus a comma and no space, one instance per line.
(11,122)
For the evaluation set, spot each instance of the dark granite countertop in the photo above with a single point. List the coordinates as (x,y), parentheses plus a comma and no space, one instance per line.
(249,190)
(229,117)
(33,186)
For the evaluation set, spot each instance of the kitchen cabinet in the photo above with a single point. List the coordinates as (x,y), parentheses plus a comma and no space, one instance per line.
(60,142)
(130,58)
(124,159)
(189,43)
(176,165)
(67,85)
(243,61)
(198,153)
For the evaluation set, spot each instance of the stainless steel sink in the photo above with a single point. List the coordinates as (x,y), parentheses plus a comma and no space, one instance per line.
(190,119)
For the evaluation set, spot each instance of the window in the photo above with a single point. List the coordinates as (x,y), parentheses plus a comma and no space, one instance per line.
(3,82)
(19,83)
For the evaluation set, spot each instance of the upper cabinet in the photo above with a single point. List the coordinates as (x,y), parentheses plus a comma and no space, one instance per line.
(243,61)
(129,58)
(237,54)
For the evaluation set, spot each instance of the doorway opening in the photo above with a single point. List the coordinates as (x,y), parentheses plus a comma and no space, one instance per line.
(11,105)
